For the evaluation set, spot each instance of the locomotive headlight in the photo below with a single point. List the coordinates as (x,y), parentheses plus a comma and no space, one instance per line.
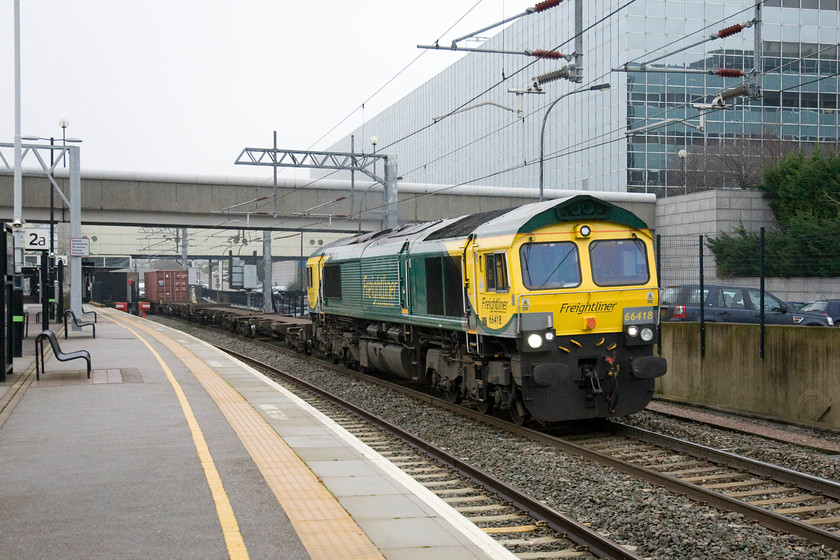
(583,231)
(535,340)
(639,334)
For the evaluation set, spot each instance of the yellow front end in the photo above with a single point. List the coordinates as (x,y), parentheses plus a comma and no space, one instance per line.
(579,300)
(313,282)
(593,277)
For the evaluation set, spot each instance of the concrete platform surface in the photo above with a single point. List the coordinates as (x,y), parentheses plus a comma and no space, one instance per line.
(173,449)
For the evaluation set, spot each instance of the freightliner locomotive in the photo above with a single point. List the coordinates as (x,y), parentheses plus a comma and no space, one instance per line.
(548,310)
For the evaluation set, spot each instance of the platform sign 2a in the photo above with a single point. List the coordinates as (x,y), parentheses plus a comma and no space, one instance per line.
(36,239)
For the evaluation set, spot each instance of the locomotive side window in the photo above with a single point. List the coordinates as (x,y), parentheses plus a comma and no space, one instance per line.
(550,265)
(495,270)
(454,284)
(434,286)
(309,283)
(332,281)
(444,294)
(619,262)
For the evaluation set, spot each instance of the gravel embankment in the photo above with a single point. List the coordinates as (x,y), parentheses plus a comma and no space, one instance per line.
(632,512)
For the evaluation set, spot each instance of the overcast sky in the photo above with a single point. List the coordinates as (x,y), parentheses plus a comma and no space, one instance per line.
(181,86)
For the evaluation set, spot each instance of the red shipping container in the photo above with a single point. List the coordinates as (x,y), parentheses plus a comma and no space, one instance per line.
(167,286)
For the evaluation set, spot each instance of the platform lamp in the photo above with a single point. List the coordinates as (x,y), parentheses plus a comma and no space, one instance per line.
(682,155)
(63,123)
(374,140)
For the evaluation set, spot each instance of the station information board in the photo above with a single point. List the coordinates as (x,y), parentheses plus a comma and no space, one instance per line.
(79,247)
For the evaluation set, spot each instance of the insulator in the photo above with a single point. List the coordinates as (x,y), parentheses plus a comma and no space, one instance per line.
(742,90)
(547,5)
(729,72)
(731,30)
(540,53)
(551,76)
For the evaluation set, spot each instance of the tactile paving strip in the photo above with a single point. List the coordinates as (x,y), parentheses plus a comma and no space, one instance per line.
(323,526)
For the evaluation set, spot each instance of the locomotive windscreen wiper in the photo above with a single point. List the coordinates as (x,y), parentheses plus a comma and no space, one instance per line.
(526,265)
(556,268)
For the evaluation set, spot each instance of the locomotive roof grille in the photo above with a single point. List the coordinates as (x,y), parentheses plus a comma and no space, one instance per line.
(582,207)
(466,225)
(532,217)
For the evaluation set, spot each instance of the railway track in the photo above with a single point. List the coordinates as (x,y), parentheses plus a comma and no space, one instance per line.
(522,524)
(779,499)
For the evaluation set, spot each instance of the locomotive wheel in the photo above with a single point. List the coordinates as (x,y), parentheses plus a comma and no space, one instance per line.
(518,412)
(485,406)
(453,394)
(348,361)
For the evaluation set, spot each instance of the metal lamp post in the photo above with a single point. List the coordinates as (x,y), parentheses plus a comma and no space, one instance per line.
(374,140)
(682,155)
(596,87)
(63,123)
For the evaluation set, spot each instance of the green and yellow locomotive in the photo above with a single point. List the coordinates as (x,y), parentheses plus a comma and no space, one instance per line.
(548,310)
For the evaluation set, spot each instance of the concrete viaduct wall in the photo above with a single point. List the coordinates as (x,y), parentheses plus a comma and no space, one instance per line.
(183,201)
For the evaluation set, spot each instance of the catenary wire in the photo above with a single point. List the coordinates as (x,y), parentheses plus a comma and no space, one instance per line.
(394,77)
(596,80)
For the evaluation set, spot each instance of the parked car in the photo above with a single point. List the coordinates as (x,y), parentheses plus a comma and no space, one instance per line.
(732,304)
(829,307)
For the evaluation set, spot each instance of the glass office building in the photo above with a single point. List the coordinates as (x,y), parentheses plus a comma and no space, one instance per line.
(589,141)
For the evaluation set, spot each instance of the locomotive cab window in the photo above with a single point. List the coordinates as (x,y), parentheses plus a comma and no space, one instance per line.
(550,265)
(332,281)
(619,262)
(309,283)
(495,271)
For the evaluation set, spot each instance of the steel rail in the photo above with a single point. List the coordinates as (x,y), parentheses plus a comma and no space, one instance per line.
(695,492)
(804,481)
(767,518)
(576,532)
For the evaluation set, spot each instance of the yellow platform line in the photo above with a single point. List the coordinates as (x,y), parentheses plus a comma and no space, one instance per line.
(323,526)
(230,528)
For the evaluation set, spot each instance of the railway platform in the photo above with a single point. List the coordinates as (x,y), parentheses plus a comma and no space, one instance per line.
(172,449)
